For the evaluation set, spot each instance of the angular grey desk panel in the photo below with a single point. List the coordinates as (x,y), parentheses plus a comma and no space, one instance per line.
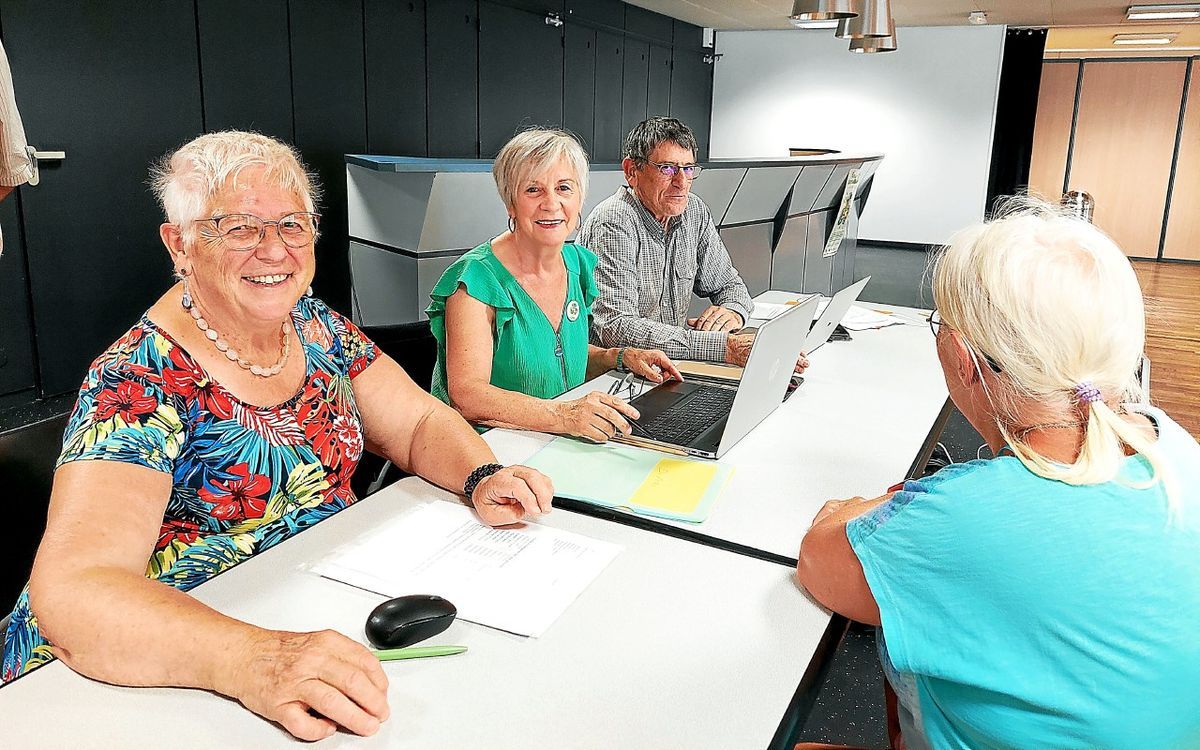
(716,186)
(760,195)
(674,645)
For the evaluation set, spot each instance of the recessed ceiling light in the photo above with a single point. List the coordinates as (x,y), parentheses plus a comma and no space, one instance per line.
(1144,38)
(1163,12)
(977,18)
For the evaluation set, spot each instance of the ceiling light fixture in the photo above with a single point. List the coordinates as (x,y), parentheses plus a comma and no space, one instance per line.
(1144,38)
(823,10)
(872,21)
(977,18)
(1163,12)
(872,44)
(814,24)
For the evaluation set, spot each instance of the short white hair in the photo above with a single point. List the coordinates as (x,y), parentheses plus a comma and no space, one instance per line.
(532,153)
(187,181)
(1054,303)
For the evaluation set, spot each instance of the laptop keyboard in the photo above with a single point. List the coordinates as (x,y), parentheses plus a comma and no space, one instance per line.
(690,417)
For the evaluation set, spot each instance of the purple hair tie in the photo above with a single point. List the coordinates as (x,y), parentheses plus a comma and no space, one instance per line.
(1087,393)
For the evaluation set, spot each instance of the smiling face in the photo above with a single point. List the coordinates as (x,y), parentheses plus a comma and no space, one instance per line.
(661,195)
(547,205)
(250,287)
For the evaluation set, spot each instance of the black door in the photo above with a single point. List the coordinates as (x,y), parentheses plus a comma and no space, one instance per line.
(115,85)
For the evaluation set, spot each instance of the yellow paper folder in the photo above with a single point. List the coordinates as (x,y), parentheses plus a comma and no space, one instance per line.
(644,481)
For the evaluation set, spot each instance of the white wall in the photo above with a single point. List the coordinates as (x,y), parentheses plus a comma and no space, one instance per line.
(929,107)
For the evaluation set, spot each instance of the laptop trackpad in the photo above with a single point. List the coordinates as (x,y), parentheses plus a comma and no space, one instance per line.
(662,397)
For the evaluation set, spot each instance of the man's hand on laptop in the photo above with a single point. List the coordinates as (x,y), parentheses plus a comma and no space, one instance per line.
(737,351)
(717,318)
(650,364)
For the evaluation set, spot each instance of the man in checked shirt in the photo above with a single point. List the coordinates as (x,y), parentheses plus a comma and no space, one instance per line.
(656,244)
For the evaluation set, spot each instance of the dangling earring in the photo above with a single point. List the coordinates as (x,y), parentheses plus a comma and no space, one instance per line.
(512,225)
(186,300)
(308,293)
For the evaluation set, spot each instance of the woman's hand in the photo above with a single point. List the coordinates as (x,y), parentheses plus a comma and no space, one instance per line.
(597,416)
(282,676)
(512,494)
(650,364)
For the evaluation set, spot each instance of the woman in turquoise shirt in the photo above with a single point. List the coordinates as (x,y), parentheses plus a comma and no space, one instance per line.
(1048,597)
(511,317)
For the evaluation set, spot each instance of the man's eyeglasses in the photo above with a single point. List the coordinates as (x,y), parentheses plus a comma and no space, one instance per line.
(668,170)
(246,231)
(935,325)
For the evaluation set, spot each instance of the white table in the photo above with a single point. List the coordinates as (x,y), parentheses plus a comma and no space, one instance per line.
(675,645)
(854,427)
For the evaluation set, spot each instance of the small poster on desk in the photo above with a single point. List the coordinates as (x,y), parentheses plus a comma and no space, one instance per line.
(843,216)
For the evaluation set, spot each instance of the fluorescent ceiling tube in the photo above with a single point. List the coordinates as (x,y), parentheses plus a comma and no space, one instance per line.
(1143,38)
(1163,12)
(824,10)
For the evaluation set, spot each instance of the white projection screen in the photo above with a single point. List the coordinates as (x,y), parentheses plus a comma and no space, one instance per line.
(930,107)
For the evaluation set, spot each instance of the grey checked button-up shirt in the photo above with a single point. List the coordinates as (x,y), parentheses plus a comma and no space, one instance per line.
(646,277)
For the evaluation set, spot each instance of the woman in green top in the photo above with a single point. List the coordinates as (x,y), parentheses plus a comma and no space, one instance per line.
(511,317)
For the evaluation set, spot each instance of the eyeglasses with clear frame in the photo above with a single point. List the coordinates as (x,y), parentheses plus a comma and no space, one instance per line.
(629,387)
(242,232)
(935,325)
(669,170)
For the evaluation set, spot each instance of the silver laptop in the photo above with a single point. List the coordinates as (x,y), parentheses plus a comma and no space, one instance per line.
(707,415)
(834,312)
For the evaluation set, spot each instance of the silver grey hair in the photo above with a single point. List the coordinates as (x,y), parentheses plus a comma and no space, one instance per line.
(647,134)
(531,153)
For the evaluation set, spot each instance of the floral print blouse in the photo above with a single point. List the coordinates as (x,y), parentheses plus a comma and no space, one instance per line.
(245,477)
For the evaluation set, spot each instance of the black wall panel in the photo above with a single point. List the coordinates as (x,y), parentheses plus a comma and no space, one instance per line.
(541,7)
(246,86)
(610,56)
(453,87)
(579,83)
(685,35)
(610,13)
(517,89)
(16,331)
(115,85)
(647,23)
(691,95)
(394,41)
(658,88)
(329,102)
(633,87)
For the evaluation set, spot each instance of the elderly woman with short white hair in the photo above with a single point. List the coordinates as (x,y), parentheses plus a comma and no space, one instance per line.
(1049,596)
(227,419)
(512,317)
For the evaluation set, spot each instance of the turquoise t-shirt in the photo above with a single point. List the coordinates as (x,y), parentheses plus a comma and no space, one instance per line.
(528,355)
(1036,614)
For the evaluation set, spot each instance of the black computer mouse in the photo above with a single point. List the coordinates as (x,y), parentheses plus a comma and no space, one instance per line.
(405,620)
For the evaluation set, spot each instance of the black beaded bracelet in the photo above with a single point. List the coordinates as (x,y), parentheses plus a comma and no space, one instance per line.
(477,476)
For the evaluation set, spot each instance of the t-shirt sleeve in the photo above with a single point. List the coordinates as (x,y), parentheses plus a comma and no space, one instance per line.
(121,414)
(914,555)
(358,351)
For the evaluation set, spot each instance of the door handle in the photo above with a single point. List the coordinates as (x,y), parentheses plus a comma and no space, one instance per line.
(35,156)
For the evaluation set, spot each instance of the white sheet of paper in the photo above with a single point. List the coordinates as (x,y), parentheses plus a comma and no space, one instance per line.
(518,580)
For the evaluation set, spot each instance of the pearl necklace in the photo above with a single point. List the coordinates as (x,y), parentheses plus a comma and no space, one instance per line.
(231,354)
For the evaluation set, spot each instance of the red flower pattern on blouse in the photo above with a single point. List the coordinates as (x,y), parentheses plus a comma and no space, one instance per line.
(176,528)
(244,496)
(187,379)
(130,400)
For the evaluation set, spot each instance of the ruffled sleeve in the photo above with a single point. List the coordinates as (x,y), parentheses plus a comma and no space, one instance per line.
(474,272)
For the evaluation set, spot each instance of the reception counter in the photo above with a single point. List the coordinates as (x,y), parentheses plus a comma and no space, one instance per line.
(411,217)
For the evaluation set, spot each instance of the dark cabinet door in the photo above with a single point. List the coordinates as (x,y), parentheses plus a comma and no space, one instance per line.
(633,93)
(329,101)
(609,70)
(115,85)
(394,41)
(452,67)
(16,331)
(691,94)
(520,74)
(246,84)
(579,83)
(658,88)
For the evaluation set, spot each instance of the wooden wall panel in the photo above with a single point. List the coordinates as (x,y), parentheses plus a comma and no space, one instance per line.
(1124,144)
(1052,130)
(1183,225)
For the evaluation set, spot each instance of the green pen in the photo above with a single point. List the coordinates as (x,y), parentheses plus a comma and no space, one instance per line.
(417,652)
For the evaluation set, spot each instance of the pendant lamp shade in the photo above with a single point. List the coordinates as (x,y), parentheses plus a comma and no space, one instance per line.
(872,44)
(824,10)
(872,21)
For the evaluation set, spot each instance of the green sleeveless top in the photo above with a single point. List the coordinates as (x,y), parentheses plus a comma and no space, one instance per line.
(528,355)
